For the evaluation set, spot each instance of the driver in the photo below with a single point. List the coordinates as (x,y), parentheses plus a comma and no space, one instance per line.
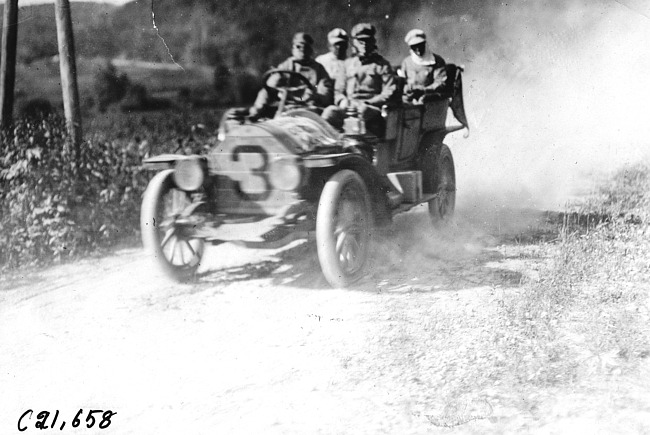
(424,71)
(301,61)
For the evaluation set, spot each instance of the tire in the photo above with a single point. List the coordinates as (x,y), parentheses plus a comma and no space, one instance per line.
(439,176)
(343,228)
(178,255)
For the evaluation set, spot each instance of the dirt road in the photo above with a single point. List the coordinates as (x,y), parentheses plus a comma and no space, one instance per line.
(260,343)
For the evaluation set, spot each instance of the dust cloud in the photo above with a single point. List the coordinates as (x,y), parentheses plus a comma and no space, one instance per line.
(555,92)
(557,95)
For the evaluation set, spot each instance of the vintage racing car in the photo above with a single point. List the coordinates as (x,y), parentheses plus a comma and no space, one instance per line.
(270,182)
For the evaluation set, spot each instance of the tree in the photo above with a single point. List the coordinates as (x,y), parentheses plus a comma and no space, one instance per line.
(109,86)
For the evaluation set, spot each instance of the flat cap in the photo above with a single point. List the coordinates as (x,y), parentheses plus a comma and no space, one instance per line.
(337,35)
(415,36)
(303,38)
(363,30)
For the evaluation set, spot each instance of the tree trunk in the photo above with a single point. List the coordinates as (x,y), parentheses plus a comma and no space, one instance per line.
(68,72)
(8,61)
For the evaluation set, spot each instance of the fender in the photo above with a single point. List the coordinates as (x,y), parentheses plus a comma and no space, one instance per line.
(376,184)
(168,161)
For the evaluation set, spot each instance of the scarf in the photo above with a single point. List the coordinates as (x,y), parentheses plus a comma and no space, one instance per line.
(427,60)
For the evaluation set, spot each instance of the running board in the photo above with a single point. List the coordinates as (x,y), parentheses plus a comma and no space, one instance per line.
(407,206)
(275,244)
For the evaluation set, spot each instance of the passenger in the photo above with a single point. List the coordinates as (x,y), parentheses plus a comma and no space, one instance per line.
(334,61)
(424,71)
(370,82)
(301,61)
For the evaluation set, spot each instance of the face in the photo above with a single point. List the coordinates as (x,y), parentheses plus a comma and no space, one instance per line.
(364,45)
(339,49)
(419,49)
(301,51)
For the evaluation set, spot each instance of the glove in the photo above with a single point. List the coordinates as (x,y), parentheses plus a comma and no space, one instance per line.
(415,92)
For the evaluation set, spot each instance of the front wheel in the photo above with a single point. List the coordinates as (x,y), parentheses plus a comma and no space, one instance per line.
(343,228)
(163,236)
(439,177)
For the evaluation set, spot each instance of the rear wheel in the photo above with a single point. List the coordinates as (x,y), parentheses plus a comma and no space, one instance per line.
(343,228)
(439,177)
(163,236)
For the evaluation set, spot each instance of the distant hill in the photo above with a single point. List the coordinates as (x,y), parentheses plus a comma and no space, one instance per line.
(232,33)
(37,30)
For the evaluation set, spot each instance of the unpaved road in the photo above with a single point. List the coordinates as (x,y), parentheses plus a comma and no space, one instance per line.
(260,343)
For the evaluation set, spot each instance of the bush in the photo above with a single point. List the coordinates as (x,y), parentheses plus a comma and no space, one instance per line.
(36,108)
(109,86)
(53,207)
(136,98)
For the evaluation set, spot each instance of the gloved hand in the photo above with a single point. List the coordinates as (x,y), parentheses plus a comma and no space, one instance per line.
(414,92)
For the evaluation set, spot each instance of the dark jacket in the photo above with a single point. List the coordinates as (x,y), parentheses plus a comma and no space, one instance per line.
(370,79)
(315,74)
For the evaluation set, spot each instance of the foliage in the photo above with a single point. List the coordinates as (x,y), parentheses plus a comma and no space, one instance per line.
(36,108)
(135,98)
(155,131)
(109,86)
(255,34)
(53,208)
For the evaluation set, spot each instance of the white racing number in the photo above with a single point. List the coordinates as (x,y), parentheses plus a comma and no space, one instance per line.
(249,164)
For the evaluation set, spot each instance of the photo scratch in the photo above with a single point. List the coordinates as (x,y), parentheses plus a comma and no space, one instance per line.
(153,22)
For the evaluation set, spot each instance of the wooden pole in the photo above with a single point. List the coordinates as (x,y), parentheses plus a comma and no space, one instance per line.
(68,67)
(8,61)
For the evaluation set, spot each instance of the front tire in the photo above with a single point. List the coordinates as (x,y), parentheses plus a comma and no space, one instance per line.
(343,228)
(176,252)
(439,177)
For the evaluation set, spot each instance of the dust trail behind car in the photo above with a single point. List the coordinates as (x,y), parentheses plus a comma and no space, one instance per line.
(555,93)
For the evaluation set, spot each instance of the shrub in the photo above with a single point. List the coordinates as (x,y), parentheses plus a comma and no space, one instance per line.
(136,98)
(109,86)
(53,207)
(36,108)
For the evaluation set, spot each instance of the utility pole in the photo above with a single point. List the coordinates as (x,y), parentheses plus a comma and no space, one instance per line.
(68,67)
(8,62)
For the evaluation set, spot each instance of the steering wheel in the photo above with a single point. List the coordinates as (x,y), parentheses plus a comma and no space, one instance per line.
(284,90)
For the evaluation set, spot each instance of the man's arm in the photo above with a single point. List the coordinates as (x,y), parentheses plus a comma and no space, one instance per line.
(388,88)
(324,88)
(439,80)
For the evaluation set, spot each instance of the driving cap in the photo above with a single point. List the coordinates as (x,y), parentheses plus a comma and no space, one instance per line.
(337,35)
(415,36)
(363,30)
(303,38)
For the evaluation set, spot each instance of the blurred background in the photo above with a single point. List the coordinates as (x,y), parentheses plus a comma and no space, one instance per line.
(555,90)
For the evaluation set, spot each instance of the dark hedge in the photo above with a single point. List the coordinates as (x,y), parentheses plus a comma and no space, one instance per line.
(54,207)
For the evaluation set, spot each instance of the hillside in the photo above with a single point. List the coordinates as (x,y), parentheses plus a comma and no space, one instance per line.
(37,30)
(237,35)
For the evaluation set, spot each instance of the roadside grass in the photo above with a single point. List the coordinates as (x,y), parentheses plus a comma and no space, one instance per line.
(55,207)
(587,314)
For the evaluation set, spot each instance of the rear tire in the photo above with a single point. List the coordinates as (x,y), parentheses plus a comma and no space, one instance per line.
(343,228)
(439,177)
(177,254)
